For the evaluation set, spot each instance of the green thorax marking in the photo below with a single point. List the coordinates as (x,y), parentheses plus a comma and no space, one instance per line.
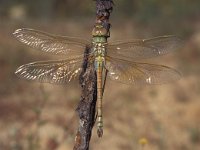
(99,39)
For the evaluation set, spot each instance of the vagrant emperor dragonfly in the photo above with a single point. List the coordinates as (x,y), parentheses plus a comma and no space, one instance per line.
(118,60)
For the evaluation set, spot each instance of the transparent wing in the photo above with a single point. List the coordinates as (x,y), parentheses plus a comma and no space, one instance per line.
(60,45)
(56,72)
(141,49)
(140,73)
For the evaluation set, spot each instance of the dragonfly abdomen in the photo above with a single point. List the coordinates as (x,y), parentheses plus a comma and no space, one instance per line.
(99,70)
(99,53)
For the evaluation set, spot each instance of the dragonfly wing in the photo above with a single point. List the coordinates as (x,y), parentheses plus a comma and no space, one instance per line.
(56,72)
(141,49)
(60,45)
(140,73)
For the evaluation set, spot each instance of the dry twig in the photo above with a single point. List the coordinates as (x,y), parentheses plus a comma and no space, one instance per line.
(87,106)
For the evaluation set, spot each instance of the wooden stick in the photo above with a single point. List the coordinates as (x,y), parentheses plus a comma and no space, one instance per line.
(87,106)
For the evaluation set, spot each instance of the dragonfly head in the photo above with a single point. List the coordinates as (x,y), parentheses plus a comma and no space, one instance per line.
(99,30)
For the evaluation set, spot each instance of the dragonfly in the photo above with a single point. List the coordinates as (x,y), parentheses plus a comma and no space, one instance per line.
(118,61)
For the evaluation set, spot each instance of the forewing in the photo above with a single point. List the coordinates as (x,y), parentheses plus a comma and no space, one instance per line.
(60,45)
(55,72)
(141,49)
(140,73)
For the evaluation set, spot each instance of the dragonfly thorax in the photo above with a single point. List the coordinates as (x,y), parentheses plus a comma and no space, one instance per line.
(99,49)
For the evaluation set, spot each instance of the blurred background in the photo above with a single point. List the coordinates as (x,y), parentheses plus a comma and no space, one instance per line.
(36,116)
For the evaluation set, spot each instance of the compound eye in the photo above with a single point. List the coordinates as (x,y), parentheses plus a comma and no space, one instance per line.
(103,31)
(95,31)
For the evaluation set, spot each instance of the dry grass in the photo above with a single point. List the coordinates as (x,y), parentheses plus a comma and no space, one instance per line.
(167,116)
